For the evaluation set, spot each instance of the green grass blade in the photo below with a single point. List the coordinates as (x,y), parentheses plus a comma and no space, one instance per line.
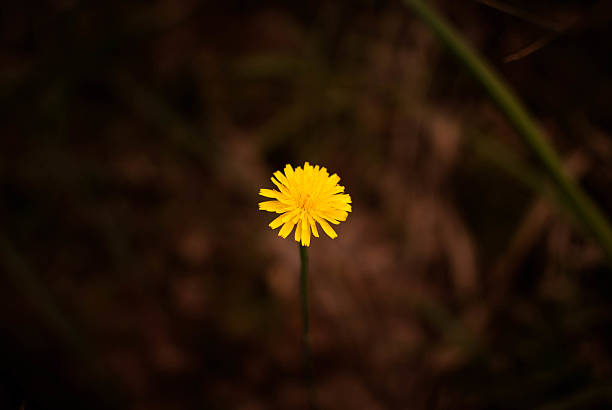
(578,202)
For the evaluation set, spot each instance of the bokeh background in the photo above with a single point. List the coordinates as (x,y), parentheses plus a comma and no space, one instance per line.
(137,272)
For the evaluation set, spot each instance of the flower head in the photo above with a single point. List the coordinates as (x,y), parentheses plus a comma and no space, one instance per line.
(307,196)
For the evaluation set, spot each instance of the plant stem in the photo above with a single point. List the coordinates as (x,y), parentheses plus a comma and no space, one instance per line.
(309,375)
(583,208)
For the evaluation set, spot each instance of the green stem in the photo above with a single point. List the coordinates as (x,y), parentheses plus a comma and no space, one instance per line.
(578,202)
(306,325)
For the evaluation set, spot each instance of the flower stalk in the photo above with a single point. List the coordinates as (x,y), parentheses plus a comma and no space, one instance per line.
(309,369)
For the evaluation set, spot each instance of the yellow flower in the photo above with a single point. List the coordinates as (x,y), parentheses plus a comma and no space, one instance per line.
(307,196)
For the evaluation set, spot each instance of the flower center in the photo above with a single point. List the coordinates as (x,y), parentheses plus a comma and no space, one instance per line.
(305,202)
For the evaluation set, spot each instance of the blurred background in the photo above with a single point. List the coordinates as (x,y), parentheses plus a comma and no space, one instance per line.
(137,272)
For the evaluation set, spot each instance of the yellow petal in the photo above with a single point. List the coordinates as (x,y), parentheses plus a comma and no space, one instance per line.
(286,217)
(299,177)
(283,180)
(340,198)
(287,228)
(298,231)
(274,206)
(326,228)
(276,222)
(305,232)
(284,190)
(333,190)
(333,215)
(343,207)
(269,193)
(289,172)
(344,197)
(313,226)
(292,215)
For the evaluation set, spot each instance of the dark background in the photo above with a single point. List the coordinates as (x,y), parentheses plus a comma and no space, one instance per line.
(137,272)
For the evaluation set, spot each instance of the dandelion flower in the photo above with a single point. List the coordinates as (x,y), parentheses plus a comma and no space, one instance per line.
(307,196)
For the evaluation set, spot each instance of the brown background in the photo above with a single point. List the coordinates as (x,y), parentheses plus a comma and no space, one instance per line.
(138,273)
